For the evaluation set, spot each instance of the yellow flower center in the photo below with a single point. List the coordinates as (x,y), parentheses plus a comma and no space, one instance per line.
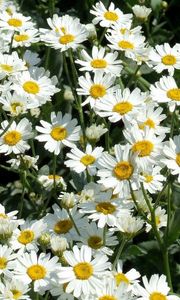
(106,208)
(98,63)
(16,105)
(144,148)
(157,219)
(157,296)
(87,160)
(107,297)
(174,94)
(3,263)
(63,226)
(95,242)
(123,30)
(31,87)
(16,294)
(123,170)
(36,272)
(123,108)
(148,122)
(168,60)
(120,277)
(3,216)
(56,177)
(125,45)
(66,39)
(6,68)
(14,22)
(11,138)
(21,37)
(26,237)
(111,16)
(178,159)
(83,270)
(148,178)
(97,91)
(58,133)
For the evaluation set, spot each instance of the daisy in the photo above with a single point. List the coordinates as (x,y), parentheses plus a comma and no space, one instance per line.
(36,86)
(145,145)
(61,131)
(163,57)
(130,225)
(7,261)
(48,181)
(105,211)
(10,64)
(15,104)
(14,139)
(160,218)
(152,179)
(116,172)
(58,245)
(107,17)
(166,90)
(26,238)
(141,12)
(91,192)
(129,278)
(157,288)
(14,289)
(25,160)
(100,61)
(80,161)
(97,88)
(172,156)
(25,38)
(36,269)
(14,22)
(85,272)
(94,132)
(123,105)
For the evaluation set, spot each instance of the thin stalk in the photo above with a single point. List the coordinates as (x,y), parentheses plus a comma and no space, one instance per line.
(122,245)
(172,123)
(168,209)
(54,170)
(47,55)
(167,269)
(11,44)
(102,35)
(161,192)
(104,234)
(7,127)
(22,195)
(133,75)
(71,218)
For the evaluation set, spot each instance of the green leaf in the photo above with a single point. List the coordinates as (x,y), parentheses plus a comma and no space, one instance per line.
(133,251)
(174,231)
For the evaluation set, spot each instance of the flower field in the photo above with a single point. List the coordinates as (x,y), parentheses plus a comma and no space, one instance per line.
(89,150)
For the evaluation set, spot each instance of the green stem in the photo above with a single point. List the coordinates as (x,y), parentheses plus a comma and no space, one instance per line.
(167,269)
(7,127)
(102,36)
(23,177)
(71,218)
(172,123)
(133,75)
(47,55)
(54,170)
(161,192)
(122,245)
(168,210)
(11,44)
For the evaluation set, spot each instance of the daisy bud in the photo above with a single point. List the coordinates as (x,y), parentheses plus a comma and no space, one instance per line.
(94,132)
(58,245)
(164,4)
(92,34)
(44,240)
(68,95)
(35,112)
(67,200)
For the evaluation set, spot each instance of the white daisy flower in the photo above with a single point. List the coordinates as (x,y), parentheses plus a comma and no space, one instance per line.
(152,179)
(36,86)
(16,104)
(14,22)
(36,269)
(123,105)
(25,38)
(160,217)
(121,29)
(70,34)
(80,161)
(15,137)
(163,57)
(58,244)
(10,64)
(129,278)
(7,261)
(105,211)
(166,90)
(62,131)
(141,12)
(14,289)
(116,172)
(28,161)
(107,17)
(100,61)
(129,225)
(25,239)
(97,88)
(172,153)
(48,181)
(145,145)
(94,132)
(91,192)
(85,272)
(157,288)
(8,223)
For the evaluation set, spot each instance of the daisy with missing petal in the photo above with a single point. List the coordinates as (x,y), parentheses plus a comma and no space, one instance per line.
(163,57)
(25,38)
(37,269)
(116,172)
(97,88)
(154,289)
(107,17)
(106,210)
(62,131)
(85,272)
(172,154)
(160,218)
(14,22)
(145,145)
(123,105)
(100,61)
(15,104)
(15,137)
(152,179)
(80,161)
(7,261)
(10,64)
(48,181)
(14,289)
(166,90)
